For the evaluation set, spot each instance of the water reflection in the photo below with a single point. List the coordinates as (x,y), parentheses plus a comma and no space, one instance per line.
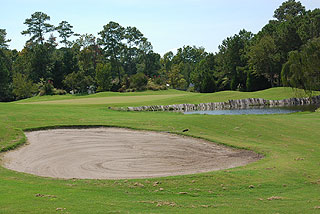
(259,110)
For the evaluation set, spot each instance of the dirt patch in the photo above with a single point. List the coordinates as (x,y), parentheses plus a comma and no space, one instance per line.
(113,153)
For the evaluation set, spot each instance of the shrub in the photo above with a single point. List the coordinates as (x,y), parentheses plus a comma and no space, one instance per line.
(163,87)
(139,81)
(130,90)
(191,89)
(159,80)
(23,87)
(115,85)
(78,81)
(153,86)
(103,77)
(59,92)
(45,87)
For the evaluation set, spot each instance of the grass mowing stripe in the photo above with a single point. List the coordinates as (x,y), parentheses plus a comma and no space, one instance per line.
(107,100)
(164,97)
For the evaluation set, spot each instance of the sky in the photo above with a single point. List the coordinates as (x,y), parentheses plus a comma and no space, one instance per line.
(168,24)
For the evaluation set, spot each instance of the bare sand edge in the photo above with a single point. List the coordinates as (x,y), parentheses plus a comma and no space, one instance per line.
(119,153)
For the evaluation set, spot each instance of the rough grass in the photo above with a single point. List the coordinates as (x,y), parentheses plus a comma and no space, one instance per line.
(287,180)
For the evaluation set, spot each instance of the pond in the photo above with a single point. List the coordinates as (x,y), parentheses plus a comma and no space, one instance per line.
(259,110)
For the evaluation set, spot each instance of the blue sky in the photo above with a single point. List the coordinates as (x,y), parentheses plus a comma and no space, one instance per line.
(168,24)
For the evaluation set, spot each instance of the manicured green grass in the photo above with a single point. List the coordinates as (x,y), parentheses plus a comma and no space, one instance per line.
(290,169)
(163,97)
(101,95)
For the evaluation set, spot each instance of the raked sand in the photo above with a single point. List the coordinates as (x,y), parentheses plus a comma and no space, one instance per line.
(114,153)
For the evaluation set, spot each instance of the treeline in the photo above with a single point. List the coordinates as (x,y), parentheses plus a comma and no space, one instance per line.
(286,52)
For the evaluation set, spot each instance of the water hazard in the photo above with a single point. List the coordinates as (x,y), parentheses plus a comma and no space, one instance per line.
(259,110)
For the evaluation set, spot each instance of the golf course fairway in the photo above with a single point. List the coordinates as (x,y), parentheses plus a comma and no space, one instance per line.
(286,180)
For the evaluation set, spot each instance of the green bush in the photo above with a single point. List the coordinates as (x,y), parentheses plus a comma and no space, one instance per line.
(130,90)
(191,89)
(23,87)
(159,80)
(139,81)
(103,77)
(78,82)
(163,87)
(59,92)
(152,86)
(45,87)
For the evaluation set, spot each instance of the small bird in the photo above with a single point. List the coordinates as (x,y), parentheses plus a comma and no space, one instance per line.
(185,130)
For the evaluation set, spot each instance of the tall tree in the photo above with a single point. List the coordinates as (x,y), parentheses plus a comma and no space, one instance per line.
(166,60)
(203,75)
(303,67)
(285,29)
(5,67)
(187,58)
(232,59)
(148,61)
(38,27)
(65,31)
(64,62)
(288,10)
(85,41)
(111,39)
(310,25)
(134,39)
(35,61)
(3,40)
(89,53)
(287,38)
(153,64)
(264,59)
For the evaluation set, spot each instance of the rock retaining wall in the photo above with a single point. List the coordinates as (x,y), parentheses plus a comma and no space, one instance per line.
(231,104)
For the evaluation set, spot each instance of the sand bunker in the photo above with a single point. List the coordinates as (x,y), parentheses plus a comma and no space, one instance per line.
(113,153)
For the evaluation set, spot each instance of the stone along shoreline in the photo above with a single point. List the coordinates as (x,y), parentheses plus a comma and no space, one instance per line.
(231,104)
